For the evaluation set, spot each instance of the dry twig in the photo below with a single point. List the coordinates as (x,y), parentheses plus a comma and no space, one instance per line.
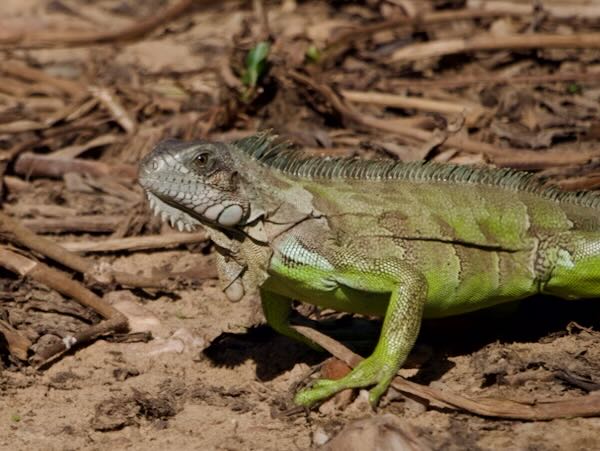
(18,344)
(494,79)
(443,47)
(20,70)
(33,165)
(136,243)
(360,33)
(568,9)
(471,111)
(63,283)
(116,109)
(494,153)
(65,38)
(15,232)
(583,406)
(74,224)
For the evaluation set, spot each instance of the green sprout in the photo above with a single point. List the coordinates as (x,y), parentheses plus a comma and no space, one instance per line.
(256,66)
(313,54)
(574,88)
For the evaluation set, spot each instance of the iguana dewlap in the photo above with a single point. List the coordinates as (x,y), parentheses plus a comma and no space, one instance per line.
(399,240)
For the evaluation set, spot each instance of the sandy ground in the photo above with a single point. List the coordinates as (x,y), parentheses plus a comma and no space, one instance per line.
(176,392)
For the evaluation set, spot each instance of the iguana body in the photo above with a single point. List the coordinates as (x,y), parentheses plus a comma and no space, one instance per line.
(400,241)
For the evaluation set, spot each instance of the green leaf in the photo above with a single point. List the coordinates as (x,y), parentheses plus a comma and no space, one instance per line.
(256,64)
(313,54)
(574,88)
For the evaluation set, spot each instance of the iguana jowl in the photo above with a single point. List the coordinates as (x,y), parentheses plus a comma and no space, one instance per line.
(399,240)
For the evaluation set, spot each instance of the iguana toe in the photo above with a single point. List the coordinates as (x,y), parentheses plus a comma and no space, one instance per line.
(369,372)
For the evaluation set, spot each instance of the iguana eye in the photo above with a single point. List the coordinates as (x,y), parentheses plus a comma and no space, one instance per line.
(204,162)
(202,159)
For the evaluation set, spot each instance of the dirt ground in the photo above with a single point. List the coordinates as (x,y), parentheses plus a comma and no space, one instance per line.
(87,88)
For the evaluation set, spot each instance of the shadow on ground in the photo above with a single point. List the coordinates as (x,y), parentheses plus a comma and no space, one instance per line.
(531,320)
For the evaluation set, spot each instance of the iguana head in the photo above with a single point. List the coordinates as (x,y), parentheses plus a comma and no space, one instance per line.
(192,183)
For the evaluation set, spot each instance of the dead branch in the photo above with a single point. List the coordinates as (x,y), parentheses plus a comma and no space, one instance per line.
(74,151)
(20,70)
(55,279)
(74,224)
(50,353)
(13,231)
(66,38)
(261,15)
(564,11)
(136,243)
(116,109)
(443,47)
(471,111)
(492,79)
(458,141)
(63,283)
(18,344)
(583,406)
(356,34)
(34,165)
(586,182)
(21,125)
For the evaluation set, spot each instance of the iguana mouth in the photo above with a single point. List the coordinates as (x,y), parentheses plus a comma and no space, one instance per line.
(176,217)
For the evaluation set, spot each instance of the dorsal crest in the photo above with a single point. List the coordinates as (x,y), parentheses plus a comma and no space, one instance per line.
(268,151)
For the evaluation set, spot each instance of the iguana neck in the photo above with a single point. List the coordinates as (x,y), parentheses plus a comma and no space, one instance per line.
(275,198)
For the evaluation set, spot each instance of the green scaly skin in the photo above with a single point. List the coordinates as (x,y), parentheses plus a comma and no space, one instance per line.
(400,241)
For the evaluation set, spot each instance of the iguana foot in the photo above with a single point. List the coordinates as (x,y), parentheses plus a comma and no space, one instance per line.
(371,371)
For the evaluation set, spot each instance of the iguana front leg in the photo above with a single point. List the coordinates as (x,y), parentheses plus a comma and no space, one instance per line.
(408,293)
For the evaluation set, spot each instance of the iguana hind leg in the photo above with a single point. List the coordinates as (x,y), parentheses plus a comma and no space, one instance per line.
(408,292)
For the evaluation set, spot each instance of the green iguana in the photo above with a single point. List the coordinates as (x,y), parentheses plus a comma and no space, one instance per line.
(397,240)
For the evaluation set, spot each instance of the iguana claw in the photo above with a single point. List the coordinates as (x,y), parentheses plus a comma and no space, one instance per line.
(369,372)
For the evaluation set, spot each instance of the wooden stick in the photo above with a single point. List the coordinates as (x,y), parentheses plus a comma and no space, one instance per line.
(34,165)
(358,33)
(15,232)
(74,151)
(63,283)
(470,111)
(18,344)
(569,8)
(492,79)
(406,131)
(66,38)
(136,243)
(50,353)
(438,48)
(20,70)
(116,109)
(55,279)
(503,156)
(583,406)
(74,224)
